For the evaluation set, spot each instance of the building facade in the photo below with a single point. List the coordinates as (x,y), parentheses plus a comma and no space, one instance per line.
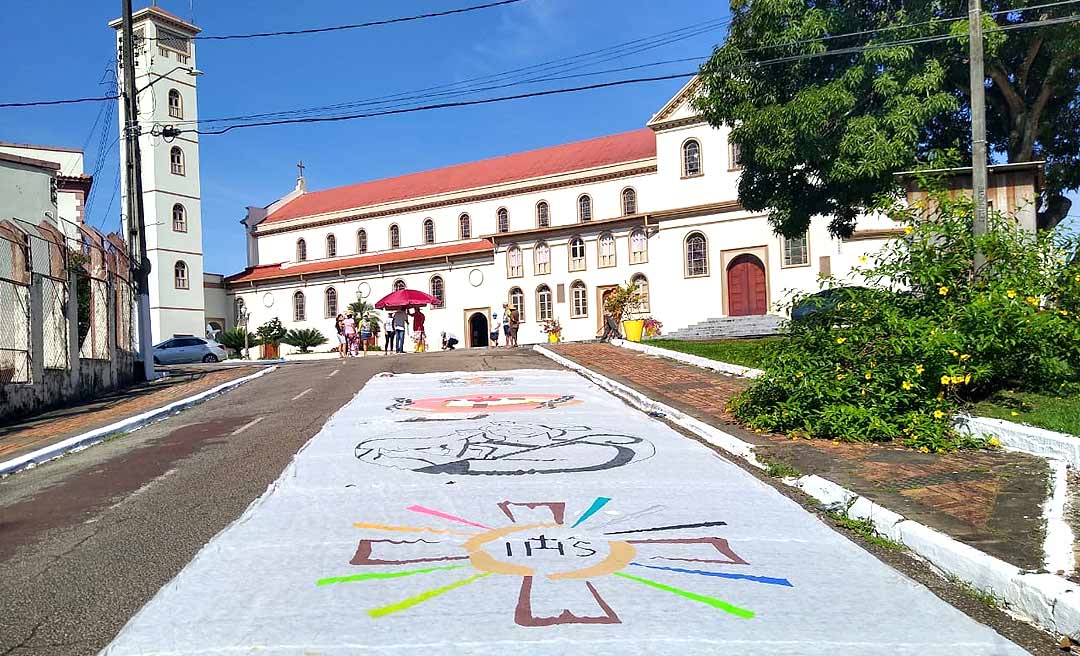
(165,80)
(549,231)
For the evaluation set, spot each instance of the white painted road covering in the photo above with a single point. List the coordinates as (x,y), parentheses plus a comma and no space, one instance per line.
(530,512)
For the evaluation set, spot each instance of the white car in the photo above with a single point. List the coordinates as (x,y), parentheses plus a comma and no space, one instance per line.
(182,350)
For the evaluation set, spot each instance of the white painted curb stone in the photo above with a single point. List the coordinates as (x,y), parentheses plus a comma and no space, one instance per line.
(90,438)
(696,360)
(1028,439)
(1047,600)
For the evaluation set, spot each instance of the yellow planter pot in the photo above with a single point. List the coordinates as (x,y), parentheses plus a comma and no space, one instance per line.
(553,338)
(632,329)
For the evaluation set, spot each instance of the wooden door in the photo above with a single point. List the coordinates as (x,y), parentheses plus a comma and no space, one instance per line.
(746,286)
(602,294)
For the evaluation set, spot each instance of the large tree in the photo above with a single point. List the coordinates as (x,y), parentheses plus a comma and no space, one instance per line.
(828,99)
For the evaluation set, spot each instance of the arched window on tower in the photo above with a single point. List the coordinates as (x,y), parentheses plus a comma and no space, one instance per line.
(395,236)
(176,104)
(503,218)
(629,201)
(361,241)
(176,161)
(543,218)
(464,227)
(330,302)
(584,204)
(398,285)
(299,307)
(429,231)
(437,288)
(238,311)
(301,250)
(697,255)
(180,275)
(331,246)
(179,218)
(514,267)
(691,158)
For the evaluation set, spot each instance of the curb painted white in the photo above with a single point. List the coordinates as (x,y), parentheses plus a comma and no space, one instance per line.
(1028,439)
(90,438)
(1058,545)
(696,360)
(1047,600)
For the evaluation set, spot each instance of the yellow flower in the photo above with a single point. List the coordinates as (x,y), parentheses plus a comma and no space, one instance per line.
(1063,313)
(923,449)
(862,259)
(907,384)
(919,369)
(799,375)
(1011,293)
(945,379)
(967,379)
(1034,302)
(938,414)
(1077,278)
(908,230)
(840,376)
(994,442)
(868,375)
(965,357)
(1014,413)
(954,352)
(943,290)
(956,380)
(841,340)
(940,395)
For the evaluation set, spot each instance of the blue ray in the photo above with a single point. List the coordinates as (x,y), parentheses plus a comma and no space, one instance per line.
(724,575)
(596,505)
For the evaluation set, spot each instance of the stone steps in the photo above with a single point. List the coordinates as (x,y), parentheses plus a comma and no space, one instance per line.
(729,327)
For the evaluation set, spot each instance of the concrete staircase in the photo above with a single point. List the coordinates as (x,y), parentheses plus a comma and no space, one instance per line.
(729,327)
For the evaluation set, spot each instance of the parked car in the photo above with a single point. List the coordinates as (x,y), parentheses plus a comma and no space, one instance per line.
(180,350)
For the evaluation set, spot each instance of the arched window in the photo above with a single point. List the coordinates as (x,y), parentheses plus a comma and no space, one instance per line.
(361,241)
(579,297)
(395,236)
(516,299)
(180,275)
(176,160)
(514,267)
(503,220)
(464,227)
(429,231)
(691,158)
(543,220)
(331,246)
(606,247)
(584,208)
(697,256)
(179,218)
(734,156)
(437,288)
(399,285)
(544,310)
(299,307)
(541,258)
(643,290)
(330,302)
(176,104)
(301,250)
(629,201)
(576,249)
(238,311)
(639,247)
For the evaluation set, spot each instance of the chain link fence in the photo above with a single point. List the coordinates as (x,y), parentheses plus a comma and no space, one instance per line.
(15,362)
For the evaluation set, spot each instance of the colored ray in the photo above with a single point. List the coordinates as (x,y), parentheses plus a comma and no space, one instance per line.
(382,611)
(667,528)
(724,575)
(409,529)
(593,509)
(442,515)
(370,576)
(709,601)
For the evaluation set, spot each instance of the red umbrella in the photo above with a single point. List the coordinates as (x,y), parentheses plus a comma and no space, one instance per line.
(404,298)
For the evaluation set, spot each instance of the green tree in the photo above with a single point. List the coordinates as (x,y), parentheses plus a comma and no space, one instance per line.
(271,332)
(365,314)
(304,339)
(823,135)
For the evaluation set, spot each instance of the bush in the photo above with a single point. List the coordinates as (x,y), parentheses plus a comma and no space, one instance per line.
(271,332)
(233,339)
(304,339)
(929,336)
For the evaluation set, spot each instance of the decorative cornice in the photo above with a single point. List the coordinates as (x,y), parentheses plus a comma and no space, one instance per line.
(490,195)
(353,270)
(676,123)
(866,235)
(673,104)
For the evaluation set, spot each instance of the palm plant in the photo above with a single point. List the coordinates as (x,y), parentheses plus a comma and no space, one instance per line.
(304,339)
(365,314)
(234,339)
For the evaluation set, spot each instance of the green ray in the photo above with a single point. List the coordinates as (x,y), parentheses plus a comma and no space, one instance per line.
(422,597)
(383,575)
(711,601)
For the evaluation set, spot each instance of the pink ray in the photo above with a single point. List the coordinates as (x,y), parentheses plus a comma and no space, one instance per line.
(442,515)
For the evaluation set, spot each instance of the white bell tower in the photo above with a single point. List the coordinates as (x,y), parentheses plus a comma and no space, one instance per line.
(165,80)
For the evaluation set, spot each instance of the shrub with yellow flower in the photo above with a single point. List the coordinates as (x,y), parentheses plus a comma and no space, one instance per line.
(1011,293)
(906,385)
(943,290)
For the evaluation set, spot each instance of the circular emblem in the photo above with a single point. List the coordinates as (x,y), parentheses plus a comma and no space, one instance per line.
(364,290)
(476,277)
(268,300)
(486,403)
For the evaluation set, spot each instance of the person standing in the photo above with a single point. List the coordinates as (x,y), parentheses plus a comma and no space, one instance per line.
(401,323)
(493,338)
(419,335)
(350,334)
(339,326)
(388,334)
(515,323)
(365,332)
(506,324)
(611,327)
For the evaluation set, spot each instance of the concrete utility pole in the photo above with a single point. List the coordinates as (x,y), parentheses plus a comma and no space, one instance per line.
(978,122)
(136,221)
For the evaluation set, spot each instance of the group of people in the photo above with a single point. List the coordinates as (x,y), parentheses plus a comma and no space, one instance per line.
(511,321)
(355,335)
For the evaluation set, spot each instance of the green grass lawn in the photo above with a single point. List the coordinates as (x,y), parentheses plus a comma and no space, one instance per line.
(1055,413)
(745,352)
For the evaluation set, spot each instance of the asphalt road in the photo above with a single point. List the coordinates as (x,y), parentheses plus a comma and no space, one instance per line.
(86,540)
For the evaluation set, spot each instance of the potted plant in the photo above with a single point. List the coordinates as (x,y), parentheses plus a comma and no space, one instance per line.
(270,335)
(553,330)
(624,303)
(652,327)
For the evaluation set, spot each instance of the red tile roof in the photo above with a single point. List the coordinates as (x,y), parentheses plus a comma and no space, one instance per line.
(580,155)
(286,270)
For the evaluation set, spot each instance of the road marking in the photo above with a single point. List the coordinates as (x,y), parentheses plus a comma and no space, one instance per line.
(247,425)
(301,394)
(333,373)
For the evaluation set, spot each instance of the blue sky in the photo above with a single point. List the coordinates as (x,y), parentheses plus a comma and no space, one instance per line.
(64,48)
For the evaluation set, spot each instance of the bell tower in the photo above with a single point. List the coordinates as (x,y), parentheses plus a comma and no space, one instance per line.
(166,91)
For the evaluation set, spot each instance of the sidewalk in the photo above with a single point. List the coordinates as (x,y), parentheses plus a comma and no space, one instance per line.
(41,430)
(989,500)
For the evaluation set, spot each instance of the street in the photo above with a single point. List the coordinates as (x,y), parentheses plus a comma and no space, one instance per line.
(514,511)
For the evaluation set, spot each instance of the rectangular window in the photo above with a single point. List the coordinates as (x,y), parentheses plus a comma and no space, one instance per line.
(580,305)
(542,256)
(544,310)
(577,254)
(639,247)
(607,251)
(734,156)
(796,252)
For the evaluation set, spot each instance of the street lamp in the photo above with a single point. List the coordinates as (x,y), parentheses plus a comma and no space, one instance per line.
(193,72)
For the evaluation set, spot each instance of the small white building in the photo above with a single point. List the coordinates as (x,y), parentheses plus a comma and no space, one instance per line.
(549,231)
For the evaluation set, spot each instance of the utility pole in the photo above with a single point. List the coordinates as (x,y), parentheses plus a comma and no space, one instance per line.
(978,123)
(136,221)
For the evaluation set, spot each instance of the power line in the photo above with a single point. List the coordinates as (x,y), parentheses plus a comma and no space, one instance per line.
(70,101)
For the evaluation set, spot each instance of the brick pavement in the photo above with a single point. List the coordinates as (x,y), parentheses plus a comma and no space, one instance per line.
(35,432)
(989,499)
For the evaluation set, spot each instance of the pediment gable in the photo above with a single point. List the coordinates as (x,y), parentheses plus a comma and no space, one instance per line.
(679,108)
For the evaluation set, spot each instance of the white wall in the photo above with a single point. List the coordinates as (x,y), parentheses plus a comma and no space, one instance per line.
(25,192)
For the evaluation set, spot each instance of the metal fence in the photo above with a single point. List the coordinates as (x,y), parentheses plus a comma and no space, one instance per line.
(15,363)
